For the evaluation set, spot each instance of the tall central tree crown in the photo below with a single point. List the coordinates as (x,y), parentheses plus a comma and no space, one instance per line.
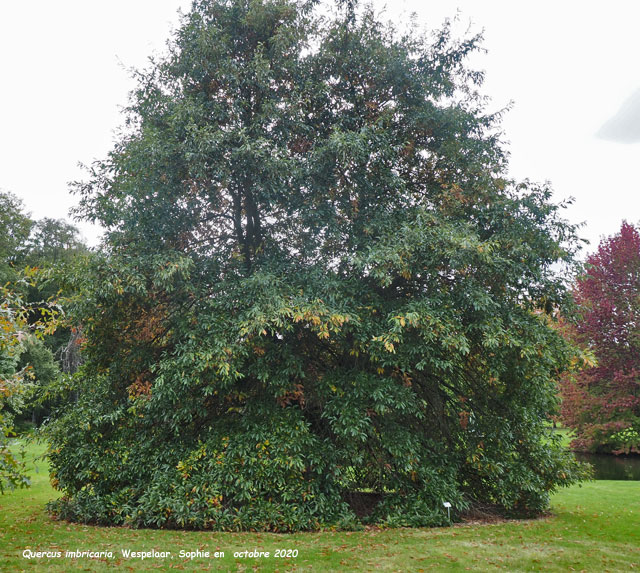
(317,279)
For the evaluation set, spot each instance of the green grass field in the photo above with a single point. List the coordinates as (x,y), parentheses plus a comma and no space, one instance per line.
(595,527)
(566,435)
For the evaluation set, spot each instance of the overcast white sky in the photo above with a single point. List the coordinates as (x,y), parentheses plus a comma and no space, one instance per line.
(570,67)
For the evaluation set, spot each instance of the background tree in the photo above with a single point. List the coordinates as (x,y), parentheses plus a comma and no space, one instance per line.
(52,241)
(602,403)
(12,389)
(24,360)
(15,381)
(15,227)
(316,279)
(53,248)
(25,242)
(32,256)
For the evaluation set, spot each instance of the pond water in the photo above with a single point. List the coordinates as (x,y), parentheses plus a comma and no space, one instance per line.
(612,467)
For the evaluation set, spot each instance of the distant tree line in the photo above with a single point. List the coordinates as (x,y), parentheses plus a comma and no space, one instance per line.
(32,349)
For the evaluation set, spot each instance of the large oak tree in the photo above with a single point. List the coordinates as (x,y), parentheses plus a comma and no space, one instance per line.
(316,280)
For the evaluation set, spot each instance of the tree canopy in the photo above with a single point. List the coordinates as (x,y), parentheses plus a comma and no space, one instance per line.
(15,227)
(16,376)
(29,251)
(602,403)
(317,281)
(12,388)
(52,241)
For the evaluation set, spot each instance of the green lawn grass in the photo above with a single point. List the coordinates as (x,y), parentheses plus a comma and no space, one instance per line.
(595,527)
(566,435)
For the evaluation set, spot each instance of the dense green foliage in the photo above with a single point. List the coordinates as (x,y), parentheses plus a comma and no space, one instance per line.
(19,341)
(316,281)
(52,241)
(33,255)
(15,227)
(25,323)
(12,387)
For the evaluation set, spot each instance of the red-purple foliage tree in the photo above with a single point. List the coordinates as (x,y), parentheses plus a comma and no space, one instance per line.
(602,403)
